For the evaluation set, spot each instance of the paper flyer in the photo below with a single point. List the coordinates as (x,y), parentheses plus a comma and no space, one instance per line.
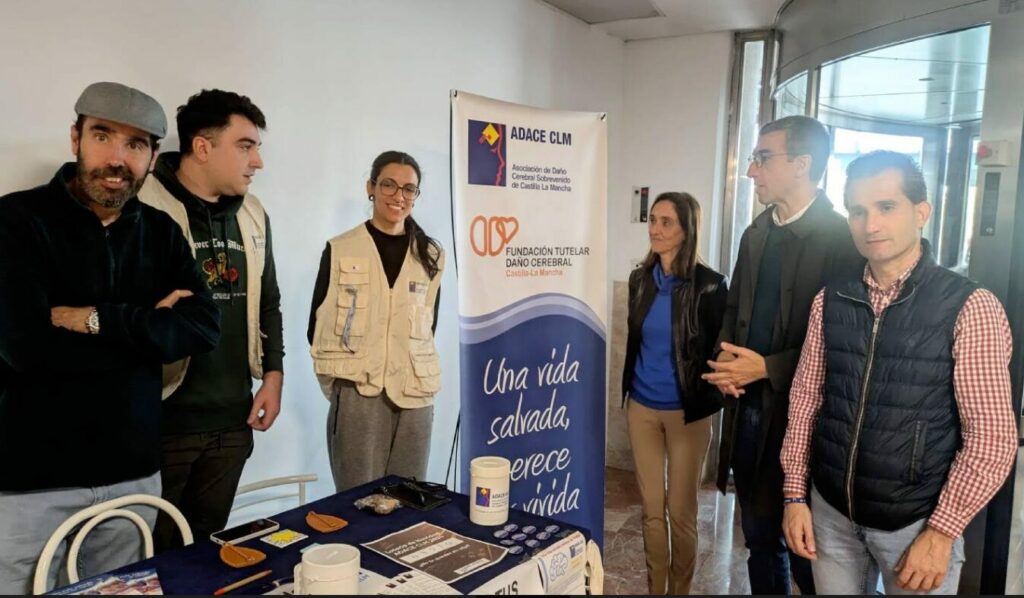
(563,566)
(139,583)
(438,552)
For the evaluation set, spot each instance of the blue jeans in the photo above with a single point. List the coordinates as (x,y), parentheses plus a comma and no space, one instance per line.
(852,557)
(770,562)
(27,519)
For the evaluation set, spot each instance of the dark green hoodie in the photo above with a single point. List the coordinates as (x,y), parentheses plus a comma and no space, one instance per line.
(216,393)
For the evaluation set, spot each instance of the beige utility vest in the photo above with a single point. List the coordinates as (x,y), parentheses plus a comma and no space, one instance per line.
(252,224)
(376,337)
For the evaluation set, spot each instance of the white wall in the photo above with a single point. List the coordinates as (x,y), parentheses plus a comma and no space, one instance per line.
(340,81)
(674,138)
(674,133)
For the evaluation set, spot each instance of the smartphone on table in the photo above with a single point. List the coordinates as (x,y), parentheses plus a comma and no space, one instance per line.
(245,531)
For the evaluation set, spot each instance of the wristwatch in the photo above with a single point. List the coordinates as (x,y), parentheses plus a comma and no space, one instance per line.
(92,323)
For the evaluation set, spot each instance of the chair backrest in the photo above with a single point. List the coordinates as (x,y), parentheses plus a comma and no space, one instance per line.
(594,570)
(301,480)
(93,516)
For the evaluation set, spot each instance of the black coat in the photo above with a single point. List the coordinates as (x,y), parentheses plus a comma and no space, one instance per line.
(81,409)
(817,248)
(697,307)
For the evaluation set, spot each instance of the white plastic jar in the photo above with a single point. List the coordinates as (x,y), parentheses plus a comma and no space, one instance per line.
(489,481)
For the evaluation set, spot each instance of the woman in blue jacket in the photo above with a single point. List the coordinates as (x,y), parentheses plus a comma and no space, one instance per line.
(675,311)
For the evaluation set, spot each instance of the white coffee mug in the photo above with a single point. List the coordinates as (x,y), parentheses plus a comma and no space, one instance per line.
(328,569)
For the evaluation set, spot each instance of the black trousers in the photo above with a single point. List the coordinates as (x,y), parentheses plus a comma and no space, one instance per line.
(200,474)
(770,562)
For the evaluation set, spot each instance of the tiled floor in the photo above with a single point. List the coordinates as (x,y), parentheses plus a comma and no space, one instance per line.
(721,557)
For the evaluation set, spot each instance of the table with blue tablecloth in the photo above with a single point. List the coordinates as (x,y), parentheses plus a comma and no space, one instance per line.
(198,569)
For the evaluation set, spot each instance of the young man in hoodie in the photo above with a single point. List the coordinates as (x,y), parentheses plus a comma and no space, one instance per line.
(209,409)
(96,291)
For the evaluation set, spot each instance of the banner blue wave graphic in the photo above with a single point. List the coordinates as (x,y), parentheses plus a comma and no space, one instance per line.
(477,329)
(533,391)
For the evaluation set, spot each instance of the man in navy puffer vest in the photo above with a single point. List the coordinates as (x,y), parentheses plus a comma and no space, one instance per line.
(900,411)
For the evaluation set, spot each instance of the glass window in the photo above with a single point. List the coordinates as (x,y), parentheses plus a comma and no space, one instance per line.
(791,97)
(921,98)
(934,81)
(972,185)
(747,129)
(848,145)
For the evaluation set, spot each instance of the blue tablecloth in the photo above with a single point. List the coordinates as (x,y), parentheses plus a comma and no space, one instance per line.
(197,569)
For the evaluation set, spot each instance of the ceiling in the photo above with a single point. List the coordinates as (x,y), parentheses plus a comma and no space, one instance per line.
(648,19)
(932,81)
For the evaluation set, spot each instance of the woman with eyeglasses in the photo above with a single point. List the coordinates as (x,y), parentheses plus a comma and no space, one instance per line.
(371,333)
(676,305)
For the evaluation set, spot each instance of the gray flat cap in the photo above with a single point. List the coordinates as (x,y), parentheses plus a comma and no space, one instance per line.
(123,104)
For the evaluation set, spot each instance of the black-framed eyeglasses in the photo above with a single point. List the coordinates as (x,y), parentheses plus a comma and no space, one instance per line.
(760,158)
(389,187)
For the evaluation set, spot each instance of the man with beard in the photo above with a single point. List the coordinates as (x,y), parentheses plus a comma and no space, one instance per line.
(96,292)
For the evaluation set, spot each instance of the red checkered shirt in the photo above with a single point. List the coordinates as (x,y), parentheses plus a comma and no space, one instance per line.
(982,344)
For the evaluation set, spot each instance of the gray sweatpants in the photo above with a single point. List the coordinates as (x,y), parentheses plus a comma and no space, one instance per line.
(370,437)
(27,519)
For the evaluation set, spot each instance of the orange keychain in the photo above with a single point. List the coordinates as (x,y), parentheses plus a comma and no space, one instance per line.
(325,524)
(240,556)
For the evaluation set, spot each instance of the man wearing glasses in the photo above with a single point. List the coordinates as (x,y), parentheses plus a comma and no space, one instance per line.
(210,410)
(785,257)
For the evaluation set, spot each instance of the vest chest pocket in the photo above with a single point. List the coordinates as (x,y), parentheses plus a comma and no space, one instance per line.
(421,320)
(353,301)
(425,378)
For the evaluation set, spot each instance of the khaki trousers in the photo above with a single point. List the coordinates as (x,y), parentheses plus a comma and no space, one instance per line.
(658,437)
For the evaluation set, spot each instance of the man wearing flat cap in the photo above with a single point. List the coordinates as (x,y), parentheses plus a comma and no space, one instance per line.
(97,291)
